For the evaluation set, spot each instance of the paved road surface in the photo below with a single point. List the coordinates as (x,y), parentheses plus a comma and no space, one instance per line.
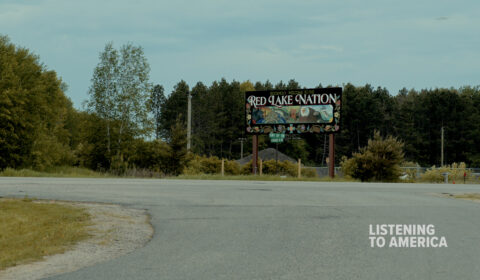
(276,230)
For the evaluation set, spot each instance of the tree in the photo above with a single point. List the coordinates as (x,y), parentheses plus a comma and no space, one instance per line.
(119,93)
(379,161)
(157,106)
(173,107)
(33,111)
(178,145)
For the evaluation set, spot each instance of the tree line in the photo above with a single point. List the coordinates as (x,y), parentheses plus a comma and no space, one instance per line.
(130,122)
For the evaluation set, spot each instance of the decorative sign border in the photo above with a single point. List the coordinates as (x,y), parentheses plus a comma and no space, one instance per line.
(293,111)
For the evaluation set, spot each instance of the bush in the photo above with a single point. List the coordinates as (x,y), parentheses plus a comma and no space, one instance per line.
(455,172)
(411,169)
(282,168)
(285,168)
(379,161)
(309,172)
(150,155)
(210,165)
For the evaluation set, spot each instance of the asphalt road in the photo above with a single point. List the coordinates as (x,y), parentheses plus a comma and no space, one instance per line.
(276,230)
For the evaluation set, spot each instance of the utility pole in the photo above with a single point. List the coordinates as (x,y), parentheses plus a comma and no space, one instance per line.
(189,122)
(441,153)
(241,146)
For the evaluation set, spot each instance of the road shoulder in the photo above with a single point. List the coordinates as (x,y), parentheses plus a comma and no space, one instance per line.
(116,231)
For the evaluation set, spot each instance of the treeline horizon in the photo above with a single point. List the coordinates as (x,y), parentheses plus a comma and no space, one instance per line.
(413,116)
(142,127)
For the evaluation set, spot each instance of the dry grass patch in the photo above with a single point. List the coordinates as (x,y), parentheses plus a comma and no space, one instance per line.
(33,229)
(469,196)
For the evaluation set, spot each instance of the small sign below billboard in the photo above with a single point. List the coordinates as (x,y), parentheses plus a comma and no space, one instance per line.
(276,137)
(293,111)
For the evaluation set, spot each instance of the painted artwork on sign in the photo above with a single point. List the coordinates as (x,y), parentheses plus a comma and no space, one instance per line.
(293,111)
(292,114)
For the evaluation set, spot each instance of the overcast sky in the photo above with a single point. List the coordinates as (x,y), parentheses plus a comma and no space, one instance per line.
(393,44)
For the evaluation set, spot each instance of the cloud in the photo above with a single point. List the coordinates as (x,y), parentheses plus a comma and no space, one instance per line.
(203,40)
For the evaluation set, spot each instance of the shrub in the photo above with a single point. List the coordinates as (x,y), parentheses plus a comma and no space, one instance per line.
(150,155)
(282,168)
(411,169)
(246,169)
(210,165)
(379,161)
(455,172)
(309,172)
(232,167)
(285,168)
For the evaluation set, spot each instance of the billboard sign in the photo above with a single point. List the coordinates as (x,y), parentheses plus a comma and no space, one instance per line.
(293,111)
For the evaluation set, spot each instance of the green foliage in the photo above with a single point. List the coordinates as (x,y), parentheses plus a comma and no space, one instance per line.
(151,155)
(56,171)
(378,161)
(309,172)
(118,165)
(211,165)
(33,111)
(157,102)
(173,108)
(411,170)
(179,156)
(455,173)
(119,94)
(282,168)
(40,129)
(47,151)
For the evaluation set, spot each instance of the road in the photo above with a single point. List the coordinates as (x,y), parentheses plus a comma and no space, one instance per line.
(276,230)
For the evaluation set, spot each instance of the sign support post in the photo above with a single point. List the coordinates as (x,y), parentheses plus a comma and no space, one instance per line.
(276,158)
(331,156)
(254,154)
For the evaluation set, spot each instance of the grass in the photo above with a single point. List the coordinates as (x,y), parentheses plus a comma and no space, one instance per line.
(59,171)
(31,230)
(258,178)
(468,196)
(78,172)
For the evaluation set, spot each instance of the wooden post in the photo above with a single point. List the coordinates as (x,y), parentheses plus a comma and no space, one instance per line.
(261,166)
(299,168)
(223,167)
(331,156)
(276,159)
(254,154)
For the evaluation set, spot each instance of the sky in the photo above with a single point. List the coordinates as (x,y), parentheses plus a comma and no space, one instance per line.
(393,44)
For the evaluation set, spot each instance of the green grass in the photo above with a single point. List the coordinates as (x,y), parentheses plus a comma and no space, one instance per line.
(258,178)
(31,230)
(59,171)
(78,172)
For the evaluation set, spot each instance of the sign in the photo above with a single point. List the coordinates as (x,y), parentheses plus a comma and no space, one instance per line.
(276,137)
(293,111)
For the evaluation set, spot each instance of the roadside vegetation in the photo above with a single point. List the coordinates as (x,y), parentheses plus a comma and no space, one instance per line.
(468,196)
(379,161)
(56,171)
(130,127)
(33,229)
